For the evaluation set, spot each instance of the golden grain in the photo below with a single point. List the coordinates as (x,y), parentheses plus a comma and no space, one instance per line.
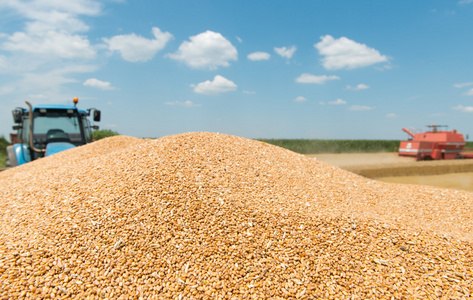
(213,216)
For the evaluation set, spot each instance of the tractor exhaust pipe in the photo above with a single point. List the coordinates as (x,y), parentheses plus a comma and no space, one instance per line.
(30,116)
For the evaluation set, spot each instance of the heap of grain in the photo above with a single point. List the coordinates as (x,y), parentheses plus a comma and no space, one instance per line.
(203,215)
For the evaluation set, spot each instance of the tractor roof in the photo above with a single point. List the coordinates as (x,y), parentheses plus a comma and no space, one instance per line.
(57,106)
(54,106)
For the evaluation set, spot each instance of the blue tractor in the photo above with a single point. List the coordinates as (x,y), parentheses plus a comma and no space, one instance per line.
(44,130)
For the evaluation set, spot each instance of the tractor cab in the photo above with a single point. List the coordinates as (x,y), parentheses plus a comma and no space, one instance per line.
(44,130)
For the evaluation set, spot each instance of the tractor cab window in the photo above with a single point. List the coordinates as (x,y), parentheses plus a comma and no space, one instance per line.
(87,128)
(23,132)
(57,125)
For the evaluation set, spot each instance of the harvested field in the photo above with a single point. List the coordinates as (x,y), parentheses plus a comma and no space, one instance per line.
(212,216)
(389,167)
(455,181)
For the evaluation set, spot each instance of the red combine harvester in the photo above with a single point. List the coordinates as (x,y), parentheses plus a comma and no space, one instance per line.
(435,144)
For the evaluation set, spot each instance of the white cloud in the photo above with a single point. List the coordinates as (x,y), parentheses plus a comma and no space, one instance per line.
(50,43)
(218,85)
(187,103)
(49,49)
(95,83)
(51,28)
(249,92)
(391,115)
(239,39)
(461,85)
(37,96)
(207,50)
(3,62)
(56,21)
(465,84)
(285,52)
(360,107)
(309,78)
(385,67)
(75,7)
(259,56)
(338,102)
(300,99)
(463,108)
(52,79)
(465,1)
(136,48)
(47,83)
(361,86)
(7,89)
(345,53)
(49,15)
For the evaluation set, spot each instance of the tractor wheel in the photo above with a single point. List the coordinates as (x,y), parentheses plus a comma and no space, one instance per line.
(11,158)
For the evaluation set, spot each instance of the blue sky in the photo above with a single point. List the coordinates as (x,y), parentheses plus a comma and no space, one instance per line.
(257,69)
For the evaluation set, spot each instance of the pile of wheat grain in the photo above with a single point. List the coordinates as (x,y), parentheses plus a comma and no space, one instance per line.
(213,216)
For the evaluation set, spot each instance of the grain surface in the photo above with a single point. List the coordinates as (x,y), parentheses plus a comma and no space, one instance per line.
(213,216)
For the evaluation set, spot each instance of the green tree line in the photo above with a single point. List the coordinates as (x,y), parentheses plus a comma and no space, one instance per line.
(101,134)
(303,146)
(316,146)
(3,151)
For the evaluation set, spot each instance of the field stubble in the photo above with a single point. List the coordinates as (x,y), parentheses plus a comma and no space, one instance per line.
(389,167)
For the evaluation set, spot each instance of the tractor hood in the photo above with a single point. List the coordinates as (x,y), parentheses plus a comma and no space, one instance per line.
(53,148)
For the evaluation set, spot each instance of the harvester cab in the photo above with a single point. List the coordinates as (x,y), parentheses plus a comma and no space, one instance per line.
(44,130)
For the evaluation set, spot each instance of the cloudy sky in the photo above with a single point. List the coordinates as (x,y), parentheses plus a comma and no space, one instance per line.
(257,69)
